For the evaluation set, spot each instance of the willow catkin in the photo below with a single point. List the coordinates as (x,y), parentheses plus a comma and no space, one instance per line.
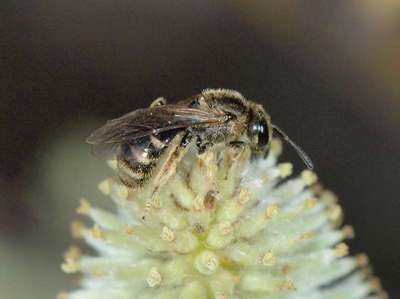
(221,225)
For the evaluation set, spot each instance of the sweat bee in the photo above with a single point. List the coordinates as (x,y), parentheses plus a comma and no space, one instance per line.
(138,139)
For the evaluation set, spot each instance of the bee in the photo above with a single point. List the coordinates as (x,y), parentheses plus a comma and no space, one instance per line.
(138,139)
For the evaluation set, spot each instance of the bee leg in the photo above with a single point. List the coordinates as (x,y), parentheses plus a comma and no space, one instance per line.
(158,102)
(175,151)
(174,154)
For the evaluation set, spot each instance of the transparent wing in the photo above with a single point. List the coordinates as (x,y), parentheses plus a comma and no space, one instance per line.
(140,123)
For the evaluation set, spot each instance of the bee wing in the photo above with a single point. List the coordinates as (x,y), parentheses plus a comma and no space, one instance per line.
(146,122)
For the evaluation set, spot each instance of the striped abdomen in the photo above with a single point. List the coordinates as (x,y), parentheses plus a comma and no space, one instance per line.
(137,159)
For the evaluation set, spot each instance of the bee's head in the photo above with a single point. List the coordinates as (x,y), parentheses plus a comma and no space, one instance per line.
(259,125)
(259,129)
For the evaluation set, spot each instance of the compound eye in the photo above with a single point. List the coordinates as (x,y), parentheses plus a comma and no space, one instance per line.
(260,130)
(263,134)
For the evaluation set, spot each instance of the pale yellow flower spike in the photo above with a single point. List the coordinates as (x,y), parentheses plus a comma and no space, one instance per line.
(220,225)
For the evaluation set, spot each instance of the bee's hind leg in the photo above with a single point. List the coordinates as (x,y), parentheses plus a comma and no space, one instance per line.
(175,152)
(158,102)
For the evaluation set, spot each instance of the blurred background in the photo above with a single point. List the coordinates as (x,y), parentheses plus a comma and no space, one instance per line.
(327,71)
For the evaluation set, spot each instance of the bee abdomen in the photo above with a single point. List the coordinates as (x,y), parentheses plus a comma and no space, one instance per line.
(134,173)
(137,160)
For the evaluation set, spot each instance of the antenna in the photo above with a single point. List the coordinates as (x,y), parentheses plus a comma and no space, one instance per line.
(302,154)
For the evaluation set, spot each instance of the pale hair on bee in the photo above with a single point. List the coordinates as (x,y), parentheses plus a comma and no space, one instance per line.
(138,139)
